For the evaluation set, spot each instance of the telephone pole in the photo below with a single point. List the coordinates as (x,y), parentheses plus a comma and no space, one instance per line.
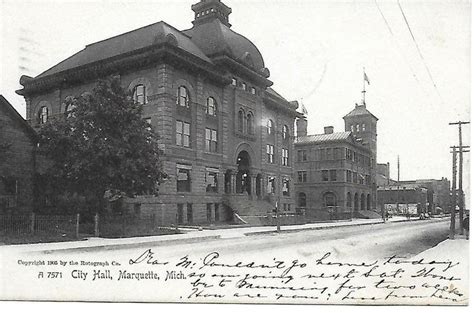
(461,192)
(452,226)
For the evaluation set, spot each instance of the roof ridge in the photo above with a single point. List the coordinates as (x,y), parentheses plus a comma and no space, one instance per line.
(130,31)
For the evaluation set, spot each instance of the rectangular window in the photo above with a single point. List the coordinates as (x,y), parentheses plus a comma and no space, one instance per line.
(211,140)
(271,185)
(270,154)
(302,176)
(337,153)
(329,154)
(285,187)
(183,178)
(284,157)
(183,134)
(190,213)
(234,81)
(211,179)
(325,175)
(333,175)
(253,90)
(301,154)
(349,176)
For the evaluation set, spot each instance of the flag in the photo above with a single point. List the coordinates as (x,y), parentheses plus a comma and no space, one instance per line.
(366,78)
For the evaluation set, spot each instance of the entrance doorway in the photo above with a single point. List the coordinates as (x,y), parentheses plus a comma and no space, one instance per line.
(243,173)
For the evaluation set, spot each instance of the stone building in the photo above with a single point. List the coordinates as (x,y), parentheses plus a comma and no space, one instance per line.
(227,136)
(17,161)
(335,172)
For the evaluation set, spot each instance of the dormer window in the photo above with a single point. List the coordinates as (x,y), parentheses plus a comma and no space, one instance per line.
(234,81)
(244,86)
(253,91)
(363,127)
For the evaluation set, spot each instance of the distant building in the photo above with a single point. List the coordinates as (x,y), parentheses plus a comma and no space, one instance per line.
(383,174)
(227,136)
(403,199)
(17,161)
(335,172)
(437,193)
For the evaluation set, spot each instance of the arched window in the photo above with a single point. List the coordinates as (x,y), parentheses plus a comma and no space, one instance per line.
(43,115)
(70,110)
(330,200)
(182,97)
(349,200)
(139,94)
(249,123)
(302,200)
(211,108)
(240,121)
(285,132)
(356,202)
(270,127)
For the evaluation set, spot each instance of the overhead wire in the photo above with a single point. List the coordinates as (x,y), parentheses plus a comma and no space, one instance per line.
(419,51)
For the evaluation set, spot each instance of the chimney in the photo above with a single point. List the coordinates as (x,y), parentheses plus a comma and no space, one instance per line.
(301,127)
(329,129)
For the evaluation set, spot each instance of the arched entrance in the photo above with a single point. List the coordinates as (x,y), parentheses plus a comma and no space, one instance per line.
(243,173)
(368,202)
(362,202)
(329,201)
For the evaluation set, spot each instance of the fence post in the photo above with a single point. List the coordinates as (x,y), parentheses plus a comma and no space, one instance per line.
(32,223)
(78,216)
(96,225)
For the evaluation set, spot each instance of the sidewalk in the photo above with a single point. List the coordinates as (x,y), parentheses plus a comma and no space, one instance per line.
(456,250)
(190,236)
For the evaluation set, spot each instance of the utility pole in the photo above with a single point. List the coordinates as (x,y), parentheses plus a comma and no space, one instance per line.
(452,226)
(398,183)
(461,192)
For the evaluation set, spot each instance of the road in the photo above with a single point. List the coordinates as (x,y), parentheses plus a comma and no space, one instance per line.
(260,268)
(374,241)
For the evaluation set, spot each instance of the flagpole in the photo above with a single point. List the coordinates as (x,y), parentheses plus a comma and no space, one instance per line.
(363,87)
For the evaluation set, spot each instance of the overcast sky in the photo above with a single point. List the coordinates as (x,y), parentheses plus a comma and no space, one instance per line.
(315,51)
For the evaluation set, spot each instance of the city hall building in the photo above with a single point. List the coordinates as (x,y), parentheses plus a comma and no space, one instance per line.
(227,136)
(335,171)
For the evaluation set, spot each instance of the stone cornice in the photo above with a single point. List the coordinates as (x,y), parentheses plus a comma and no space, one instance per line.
(242,69)
(281,104)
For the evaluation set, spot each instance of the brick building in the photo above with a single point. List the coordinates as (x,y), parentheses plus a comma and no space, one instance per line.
(403,198)
(335,172)
(17,161)
(226,135)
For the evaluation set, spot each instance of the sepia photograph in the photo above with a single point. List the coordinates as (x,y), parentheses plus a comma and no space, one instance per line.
(235,152)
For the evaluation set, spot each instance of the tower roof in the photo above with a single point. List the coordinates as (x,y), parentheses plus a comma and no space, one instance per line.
(360,110)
